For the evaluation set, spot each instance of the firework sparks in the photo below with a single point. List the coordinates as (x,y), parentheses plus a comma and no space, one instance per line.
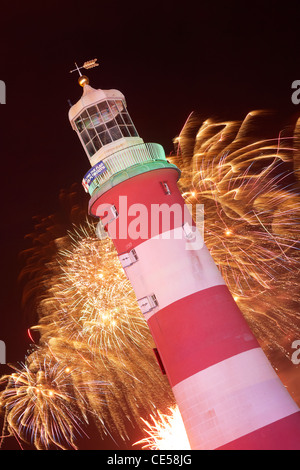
(92,283)
(252,214)
(90,325)
(41,405)
(165,432)
(94,316)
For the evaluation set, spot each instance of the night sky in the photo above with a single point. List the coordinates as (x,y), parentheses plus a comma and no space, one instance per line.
(167,58)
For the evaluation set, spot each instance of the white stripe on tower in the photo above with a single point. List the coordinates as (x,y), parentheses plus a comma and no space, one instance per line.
(231,399)
(167,268)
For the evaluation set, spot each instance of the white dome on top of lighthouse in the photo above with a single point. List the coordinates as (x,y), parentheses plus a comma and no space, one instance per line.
(92,96)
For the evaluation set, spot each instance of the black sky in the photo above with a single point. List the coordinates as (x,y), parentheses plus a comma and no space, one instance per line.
(221,59)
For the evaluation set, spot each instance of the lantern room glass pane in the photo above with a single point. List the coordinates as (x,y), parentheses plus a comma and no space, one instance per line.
(124,131)
(79,124)
(105,138)
(92,133)
(132,131)
(105,111)
(126,118)
(90,149)
(115,133)
(119,119)
(85,137)
(95,115)
(97,144)
(86,120)
(111,123)
(100,128)
(120,105)
(113,107)
(92,110)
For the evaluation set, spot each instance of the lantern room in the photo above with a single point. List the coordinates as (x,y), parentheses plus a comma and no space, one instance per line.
(102,122)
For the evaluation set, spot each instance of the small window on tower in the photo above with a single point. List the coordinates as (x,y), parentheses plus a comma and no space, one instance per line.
(189,231)
(147,303)
(165,187)
(114,211)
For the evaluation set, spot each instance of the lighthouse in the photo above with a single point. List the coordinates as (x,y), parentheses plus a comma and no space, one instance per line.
(227,392)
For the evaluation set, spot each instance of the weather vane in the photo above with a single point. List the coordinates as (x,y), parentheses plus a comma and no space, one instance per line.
(89,64)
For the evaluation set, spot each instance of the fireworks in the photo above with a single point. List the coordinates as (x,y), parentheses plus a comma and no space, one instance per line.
(92,283)
(41,404)
(94,359)
(91,328)
(165,432)
(251,218)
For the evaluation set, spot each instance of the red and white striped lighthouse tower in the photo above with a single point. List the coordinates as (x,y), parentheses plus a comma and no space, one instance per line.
(227,392)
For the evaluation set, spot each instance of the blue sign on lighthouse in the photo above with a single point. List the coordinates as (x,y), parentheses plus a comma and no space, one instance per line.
(95,171)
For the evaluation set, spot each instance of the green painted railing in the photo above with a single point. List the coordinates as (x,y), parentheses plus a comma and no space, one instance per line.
(124,159)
